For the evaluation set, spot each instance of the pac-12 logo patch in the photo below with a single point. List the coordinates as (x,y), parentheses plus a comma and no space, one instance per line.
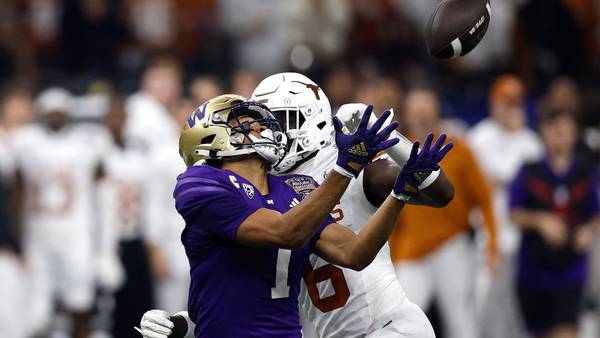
(249,190)
(302,185)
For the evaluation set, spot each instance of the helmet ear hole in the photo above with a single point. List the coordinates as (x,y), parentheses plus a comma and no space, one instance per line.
(208,139)
(321,125)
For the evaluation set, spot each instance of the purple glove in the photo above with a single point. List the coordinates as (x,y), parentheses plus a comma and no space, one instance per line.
(357,150)
(419,166)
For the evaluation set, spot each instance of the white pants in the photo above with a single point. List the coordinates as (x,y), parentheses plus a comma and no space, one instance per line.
(447,275)
(64,272)
(14,322)
(171,294)
(412,323)
(500,315)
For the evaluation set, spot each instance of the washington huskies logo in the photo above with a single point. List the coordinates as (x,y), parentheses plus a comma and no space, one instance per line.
(197,115)
(314,88)
(249,190)
(302,185)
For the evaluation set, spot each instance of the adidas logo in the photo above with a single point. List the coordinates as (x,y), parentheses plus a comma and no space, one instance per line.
(294,203)
(359,149)
(421,176)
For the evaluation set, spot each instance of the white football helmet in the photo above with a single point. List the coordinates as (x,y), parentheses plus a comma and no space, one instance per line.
(303,108)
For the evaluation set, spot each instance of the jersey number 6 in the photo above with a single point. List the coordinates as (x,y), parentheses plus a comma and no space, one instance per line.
(341,291)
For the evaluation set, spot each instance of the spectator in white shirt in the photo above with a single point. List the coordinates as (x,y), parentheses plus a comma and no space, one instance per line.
(149,111)
(503,143)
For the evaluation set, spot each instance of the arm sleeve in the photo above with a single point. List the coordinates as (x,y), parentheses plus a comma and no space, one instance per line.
(212,207)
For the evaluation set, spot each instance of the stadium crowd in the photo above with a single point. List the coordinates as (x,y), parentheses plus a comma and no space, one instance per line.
(94,94)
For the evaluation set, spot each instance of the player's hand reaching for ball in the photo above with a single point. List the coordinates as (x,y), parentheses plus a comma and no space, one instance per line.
(356,150)
(419,166)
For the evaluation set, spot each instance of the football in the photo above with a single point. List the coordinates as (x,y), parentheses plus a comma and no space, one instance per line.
(456,27)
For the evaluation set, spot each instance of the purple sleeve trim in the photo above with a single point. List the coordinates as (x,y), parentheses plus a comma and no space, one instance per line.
(313,240)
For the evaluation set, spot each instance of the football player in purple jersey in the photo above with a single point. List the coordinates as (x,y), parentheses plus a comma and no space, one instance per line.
(248,234)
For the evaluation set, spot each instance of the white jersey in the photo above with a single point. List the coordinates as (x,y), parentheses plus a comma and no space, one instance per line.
(7,164)
(164,223)
(148,122)
(342,302)
(501,154)
(59,170)
(121,194)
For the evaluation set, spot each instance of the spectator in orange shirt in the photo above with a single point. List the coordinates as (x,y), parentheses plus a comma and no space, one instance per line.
(431,247)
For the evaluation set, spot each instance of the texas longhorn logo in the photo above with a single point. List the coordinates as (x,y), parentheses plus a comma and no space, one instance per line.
(314,88)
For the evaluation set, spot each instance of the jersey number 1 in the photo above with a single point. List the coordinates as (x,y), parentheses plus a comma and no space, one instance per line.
(282,289)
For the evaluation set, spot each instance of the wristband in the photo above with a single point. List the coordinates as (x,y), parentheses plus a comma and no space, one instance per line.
(430,179)
(343,171)
(400,197)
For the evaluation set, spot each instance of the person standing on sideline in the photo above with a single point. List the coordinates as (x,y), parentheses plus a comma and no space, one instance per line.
(431,248)
(555,203)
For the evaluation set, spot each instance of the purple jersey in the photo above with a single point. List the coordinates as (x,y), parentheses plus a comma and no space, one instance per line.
(239,291)
(574,197)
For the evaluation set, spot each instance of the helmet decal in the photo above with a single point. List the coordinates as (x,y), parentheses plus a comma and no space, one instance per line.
(314,88)
(217,129)
(197,115)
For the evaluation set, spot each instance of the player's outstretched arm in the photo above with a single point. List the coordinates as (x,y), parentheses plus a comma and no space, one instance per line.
(380,176)
(435,191)
(294,228)
(339,245)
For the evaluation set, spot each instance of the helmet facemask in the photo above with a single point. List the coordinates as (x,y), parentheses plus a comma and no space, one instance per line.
(306,135)
(272,143)
(304,109)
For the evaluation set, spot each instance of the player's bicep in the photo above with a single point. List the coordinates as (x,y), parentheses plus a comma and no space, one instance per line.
(334,245)
(263,228)
(210,207)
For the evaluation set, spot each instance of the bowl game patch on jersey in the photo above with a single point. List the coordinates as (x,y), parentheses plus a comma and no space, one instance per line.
(302,185)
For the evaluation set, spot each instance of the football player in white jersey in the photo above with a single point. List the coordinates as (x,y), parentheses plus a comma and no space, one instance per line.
(57,163)
(123,269)
(338,302)
(169,262)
